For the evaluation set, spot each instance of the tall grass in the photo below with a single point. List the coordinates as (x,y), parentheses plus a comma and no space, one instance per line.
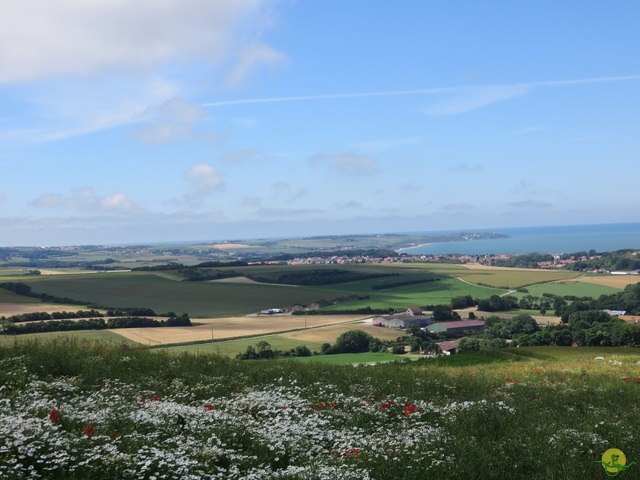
(513,414)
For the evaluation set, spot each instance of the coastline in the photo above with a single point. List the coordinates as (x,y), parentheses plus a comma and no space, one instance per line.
(401,250)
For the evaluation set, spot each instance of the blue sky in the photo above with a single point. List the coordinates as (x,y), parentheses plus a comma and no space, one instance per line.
(135,122)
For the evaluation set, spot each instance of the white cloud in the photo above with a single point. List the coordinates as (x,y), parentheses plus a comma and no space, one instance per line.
(40,39)
(85,199)
(252,58)
(204,179)
(244,156)
(89,66)
(349,162)
(172,120)
(118,202)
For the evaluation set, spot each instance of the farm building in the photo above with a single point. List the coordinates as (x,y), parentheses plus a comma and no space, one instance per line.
(449,347)
(413,311)
(402,321)
(456,326)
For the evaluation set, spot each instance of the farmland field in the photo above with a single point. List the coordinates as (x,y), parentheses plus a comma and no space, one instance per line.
(616,281)
(579,289)
(233,347)
(163,292)
(222,328)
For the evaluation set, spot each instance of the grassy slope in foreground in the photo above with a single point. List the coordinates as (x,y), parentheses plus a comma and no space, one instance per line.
(529,413)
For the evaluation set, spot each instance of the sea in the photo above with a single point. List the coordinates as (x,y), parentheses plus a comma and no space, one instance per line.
(554,239)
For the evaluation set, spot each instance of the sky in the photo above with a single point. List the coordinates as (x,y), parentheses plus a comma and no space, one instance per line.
(203,120)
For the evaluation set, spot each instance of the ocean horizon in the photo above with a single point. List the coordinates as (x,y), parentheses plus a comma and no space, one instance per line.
(547,239)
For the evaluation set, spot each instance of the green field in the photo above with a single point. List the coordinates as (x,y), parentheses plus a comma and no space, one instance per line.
(420,294)
(164,293)
(578,289)
(353,358)
(10,297)
(515,278)
(81,335)
(233,347)
(199,299)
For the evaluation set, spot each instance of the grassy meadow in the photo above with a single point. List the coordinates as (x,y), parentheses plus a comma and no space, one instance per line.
(77,409)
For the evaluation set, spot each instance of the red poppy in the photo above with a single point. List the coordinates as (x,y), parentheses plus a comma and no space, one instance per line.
(209,408)
(114,434)
(54,415)
(331,404)
(89,430)
(156,398)
(627,379)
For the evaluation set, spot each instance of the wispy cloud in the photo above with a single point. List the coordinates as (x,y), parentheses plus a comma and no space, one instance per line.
(250,59)
(349,163)
(457,99)
(244,156)
(466,167)
(85,199)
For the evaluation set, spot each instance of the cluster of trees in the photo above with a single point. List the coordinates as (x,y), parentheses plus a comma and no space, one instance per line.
(23,289)
(263,351)
(586,328)
(354,341)
(496,303)
(134,312)
(92,324)
(529,260)
(34,316)
(622,260)
(53,326)
(314,277)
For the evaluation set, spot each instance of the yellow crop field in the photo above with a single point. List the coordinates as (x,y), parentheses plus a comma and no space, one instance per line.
(329,334)
(617,281)
(9,309)
(217,328)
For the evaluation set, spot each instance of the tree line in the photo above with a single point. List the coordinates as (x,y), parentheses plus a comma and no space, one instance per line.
(92,324)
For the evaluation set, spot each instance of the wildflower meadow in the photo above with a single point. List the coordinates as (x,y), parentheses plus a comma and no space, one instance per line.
(81,410)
